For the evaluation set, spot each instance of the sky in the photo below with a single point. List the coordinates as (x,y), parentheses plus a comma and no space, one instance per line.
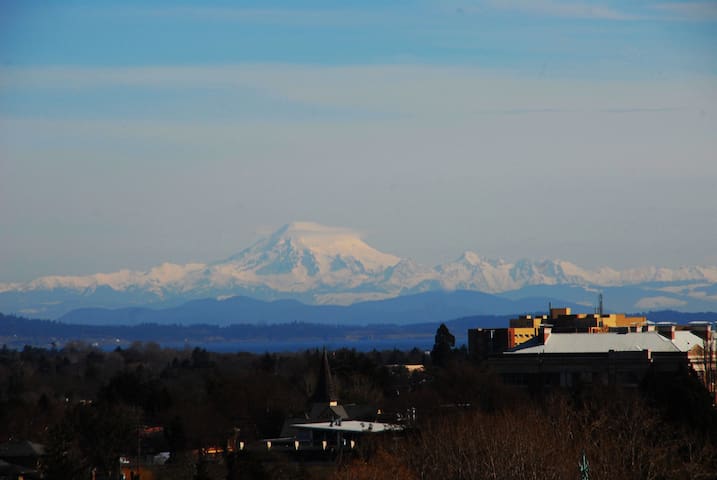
(138,132)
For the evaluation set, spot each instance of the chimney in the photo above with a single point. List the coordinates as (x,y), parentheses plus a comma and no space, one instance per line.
(545,331)
(666,329)
(701,329)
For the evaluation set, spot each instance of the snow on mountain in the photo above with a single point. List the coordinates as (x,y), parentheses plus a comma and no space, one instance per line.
(167,275)
(473,272)
(320,249)
(334,265)
(407,275)
(302,256)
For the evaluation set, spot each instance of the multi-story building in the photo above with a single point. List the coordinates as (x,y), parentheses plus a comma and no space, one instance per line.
(563,349)
(483,342)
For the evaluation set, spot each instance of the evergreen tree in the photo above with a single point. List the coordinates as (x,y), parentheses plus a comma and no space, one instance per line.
(442,352)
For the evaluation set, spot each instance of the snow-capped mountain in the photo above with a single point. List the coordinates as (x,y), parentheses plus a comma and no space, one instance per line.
(305,256)
(323,264)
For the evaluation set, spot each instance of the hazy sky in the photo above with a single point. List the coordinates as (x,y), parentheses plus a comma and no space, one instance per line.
(133,133)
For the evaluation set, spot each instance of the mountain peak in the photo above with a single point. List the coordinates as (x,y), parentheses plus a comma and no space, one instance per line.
(469,257)
(316,248)
(313,234)
(302,226)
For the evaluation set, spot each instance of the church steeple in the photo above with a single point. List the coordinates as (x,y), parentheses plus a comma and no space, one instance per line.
(325,391)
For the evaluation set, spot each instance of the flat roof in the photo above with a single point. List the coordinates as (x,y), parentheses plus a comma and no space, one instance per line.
(605,342)
(354,426)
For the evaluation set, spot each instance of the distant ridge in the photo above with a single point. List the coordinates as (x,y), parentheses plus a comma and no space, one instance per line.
(317,264)
(426,307)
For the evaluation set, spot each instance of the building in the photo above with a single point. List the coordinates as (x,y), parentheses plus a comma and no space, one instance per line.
(485,342)
(569,359)
(564,349)
(328,423)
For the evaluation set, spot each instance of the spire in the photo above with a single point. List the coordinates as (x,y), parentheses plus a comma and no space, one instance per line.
(325,392)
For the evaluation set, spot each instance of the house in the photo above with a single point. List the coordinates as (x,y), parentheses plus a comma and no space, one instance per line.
(327,422)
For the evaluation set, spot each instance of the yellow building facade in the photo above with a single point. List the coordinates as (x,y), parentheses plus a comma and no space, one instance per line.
(560,320)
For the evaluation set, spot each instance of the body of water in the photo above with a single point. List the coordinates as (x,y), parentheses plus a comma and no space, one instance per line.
(363,345)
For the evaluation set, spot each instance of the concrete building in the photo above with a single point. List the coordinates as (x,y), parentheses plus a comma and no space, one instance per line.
(564,349)
(485,342)
(569,359)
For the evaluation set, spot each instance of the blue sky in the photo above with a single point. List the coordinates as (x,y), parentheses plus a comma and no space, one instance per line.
(133,133)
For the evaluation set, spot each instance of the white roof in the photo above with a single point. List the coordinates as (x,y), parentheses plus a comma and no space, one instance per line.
(350,426)
(686,341)
(604,342)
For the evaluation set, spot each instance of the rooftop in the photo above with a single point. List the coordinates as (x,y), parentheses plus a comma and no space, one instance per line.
(356,426)
(602,343)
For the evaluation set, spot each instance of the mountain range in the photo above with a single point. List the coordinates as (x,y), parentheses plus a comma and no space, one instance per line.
(317,264)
